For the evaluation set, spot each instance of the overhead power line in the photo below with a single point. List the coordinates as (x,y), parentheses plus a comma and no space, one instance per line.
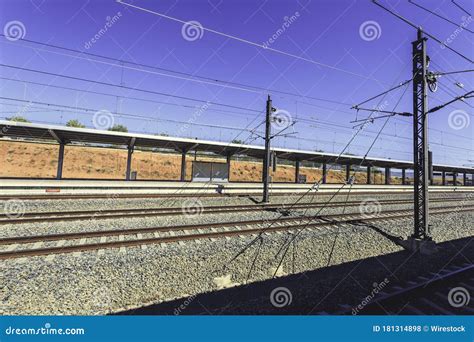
(458,98)
(191,77)
(439,16)
(426,33)
(381,94)
(461,8)
(95,110)
(200,27)
(130,88)
(115,95)
(454,72)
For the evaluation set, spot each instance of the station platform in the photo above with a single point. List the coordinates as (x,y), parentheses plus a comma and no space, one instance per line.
(25,187)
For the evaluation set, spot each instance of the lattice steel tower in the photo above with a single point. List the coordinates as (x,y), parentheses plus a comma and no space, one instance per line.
(420,138)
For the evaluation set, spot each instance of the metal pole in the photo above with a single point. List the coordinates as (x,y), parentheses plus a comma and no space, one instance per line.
(131,146)
(464,179)
(129,163)
(387,176)
(183,165)
(369,174)
(455,181)
(325,170)
(59,173)
(266,159)
(443,177)
(348,172)
(420,139)
(297,171)
(228,159)
(404,179)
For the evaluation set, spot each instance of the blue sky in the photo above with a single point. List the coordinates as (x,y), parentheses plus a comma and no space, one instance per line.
(323,52)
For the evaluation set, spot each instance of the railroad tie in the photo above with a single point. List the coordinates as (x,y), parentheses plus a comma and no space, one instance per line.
(227,229)
(11,247)
(215,231)
(139,237)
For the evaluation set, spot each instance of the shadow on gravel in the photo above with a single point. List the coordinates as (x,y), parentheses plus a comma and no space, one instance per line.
(328,290)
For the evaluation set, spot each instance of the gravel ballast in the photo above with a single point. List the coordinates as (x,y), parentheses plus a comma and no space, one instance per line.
(99,282)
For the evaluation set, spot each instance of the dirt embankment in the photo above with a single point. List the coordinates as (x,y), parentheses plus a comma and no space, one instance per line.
(40,160)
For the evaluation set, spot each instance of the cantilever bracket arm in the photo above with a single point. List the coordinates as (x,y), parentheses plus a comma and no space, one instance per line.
(462,97)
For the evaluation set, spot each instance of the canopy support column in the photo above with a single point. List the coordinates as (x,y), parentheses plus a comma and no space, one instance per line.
(131,147)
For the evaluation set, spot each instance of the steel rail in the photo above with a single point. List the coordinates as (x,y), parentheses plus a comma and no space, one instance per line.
(400,214)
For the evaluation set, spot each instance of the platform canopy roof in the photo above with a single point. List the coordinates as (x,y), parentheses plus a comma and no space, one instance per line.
(67,135)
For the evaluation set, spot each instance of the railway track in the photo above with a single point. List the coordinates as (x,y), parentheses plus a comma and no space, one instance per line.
(431,294)
(35,217)
(189,232)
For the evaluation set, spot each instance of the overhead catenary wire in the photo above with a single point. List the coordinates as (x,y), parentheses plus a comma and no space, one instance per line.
(129,88)
(381,94)
(426,33)
(75,109)
(115,95)
(200,27)
(315,185)
(439,16)
(191,77)
(458,98)
(460,7)
(299,230)
(120,114)
(454,72)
